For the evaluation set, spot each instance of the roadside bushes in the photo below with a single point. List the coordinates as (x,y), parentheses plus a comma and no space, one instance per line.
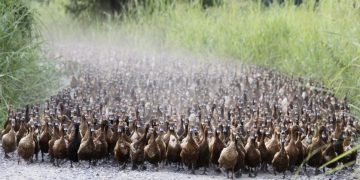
(25,76)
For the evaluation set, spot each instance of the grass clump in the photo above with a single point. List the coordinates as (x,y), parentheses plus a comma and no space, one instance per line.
(25,75)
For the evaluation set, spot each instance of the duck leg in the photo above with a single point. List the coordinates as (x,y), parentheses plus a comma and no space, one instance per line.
(227,173)
(250,172)
(232,174)
(19,160)
(89,163)
(204,172)
(123,166)
(192,168)
(7,156)
(133,166)
(71,166)
(156,167)
(42,157)
(143,167)
(284,173)
(255,171)
(57,162)
(217,169)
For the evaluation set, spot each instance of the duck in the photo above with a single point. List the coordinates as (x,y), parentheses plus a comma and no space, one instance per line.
(22,131)
(60,146)
(265,154)
(137,150)
(273,145)
(55,136)
(9,140)
(114,138)
(87,148)
(152,150)
(350,159)
(252,156)
(190,152)
(291,148)
(329,154)
(281,160)
(228,158)
(173,149)
(44,139)
(74,144)
(101,146)
(240,163)
(301,150)
(162,146)
(204,151)
(215,149)
(26,147)
(36,140)
(316,148)
(122,149)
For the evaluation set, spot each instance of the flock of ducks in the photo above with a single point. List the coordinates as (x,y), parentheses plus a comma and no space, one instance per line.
(193,114)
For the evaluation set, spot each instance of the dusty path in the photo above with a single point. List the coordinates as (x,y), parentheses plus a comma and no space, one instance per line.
(91,53)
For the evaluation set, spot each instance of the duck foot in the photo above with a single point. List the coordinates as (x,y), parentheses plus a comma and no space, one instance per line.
(123,167)
(284,175)
(133,167)
(238,174)
(204,172)
(7,156)
(89,163)
(218,170)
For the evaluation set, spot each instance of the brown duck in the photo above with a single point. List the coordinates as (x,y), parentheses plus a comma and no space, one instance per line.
(87,148)
(273,145)
(252,156)
(9,141)
(228,158)
(190,152)
(204,151)
(315,150)
(55,136)
(173,150)
(44,139)
(215,149)
(26,146)
(152,150)
(291,148)
(60,147)
(281,160)
(122,149)
(137,150)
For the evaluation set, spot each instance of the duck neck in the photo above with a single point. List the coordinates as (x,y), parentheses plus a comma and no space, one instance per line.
(282,149)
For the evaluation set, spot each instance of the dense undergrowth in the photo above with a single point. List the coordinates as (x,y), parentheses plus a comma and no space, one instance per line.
(321,43)
(25,76)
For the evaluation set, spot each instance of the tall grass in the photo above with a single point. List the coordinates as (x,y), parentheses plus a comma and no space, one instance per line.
(25,76)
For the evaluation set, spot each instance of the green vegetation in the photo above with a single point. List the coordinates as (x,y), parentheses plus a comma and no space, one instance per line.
(25,76)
